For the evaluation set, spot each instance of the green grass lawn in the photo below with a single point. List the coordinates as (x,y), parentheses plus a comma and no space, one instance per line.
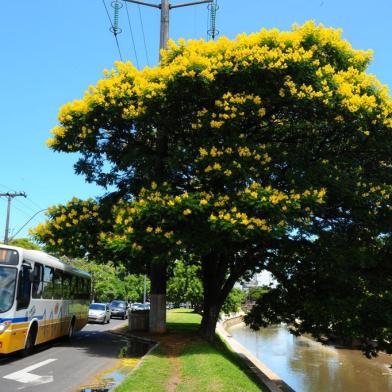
(186,363)
(182,320)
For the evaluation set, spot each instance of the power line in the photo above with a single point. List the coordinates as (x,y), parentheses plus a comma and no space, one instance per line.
(20,210)
(33,202)
(133,41)
(36,205)
(113,30)
(144,37)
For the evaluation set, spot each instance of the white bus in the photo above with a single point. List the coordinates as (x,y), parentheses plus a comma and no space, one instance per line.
(41,298)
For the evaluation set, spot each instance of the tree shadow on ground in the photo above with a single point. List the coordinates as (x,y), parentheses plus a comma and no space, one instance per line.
(86,343)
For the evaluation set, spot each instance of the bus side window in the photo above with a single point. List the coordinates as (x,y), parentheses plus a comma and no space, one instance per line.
(88,289)
(48,283)
(37,281)
(79,289)
(74,287)
(66,286)
(57,284)
(82,288)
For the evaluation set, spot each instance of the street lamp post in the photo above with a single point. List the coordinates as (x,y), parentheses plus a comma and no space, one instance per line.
(44,209)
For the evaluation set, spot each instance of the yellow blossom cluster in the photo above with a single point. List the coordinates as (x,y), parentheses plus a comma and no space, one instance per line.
(241,218)
(229,159)
(270,49)
(255,209)
(378,196)
(353,89)
(64,217)
(228,108)
(125,93)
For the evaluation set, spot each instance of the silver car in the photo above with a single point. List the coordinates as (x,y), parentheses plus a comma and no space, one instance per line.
(99,313)
(137,306)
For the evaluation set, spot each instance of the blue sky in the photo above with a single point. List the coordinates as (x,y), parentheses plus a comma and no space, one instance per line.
(51,51)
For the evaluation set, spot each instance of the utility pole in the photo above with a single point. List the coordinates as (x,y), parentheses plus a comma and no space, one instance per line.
(165,8)
(9,196)
(158,278)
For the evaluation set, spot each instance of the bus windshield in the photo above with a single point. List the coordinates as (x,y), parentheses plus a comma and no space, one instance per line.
(7,287)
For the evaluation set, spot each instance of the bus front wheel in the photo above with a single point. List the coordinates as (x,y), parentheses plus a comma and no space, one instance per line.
(30,341)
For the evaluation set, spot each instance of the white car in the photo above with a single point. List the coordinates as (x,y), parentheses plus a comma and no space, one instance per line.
(99,313)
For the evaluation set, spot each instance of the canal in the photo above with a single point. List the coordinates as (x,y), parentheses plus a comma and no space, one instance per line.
(308,366)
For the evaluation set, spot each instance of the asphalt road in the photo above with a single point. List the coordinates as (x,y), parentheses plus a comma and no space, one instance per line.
(63,366)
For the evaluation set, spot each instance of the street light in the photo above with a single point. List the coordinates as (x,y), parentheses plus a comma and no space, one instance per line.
(44,209)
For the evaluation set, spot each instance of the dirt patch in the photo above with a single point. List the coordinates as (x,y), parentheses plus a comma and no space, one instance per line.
(175,376)
(173,344)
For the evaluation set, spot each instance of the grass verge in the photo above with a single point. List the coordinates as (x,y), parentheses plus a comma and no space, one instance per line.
(186,363)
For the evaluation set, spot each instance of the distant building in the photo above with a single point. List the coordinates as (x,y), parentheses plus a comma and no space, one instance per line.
(262,279)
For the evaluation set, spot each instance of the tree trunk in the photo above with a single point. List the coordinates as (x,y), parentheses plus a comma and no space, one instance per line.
(213,279)
(157,316)
(209,320)
(218,283)
(158,276)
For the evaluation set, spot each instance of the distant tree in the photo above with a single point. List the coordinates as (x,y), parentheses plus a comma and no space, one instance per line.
(112,282)
(255,293)
(134,287)
(105,282)
(186,286)
(233,301)
(25,243)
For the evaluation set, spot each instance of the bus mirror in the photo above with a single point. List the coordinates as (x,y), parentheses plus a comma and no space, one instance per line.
(31,275)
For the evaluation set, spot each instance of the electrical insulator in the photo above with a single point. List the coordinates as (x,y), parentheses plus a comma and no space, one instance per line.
(212,9)
(117,5)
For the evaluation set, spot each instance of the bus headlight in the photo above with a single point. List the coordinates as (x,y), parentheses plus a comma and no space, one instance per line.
(4,326)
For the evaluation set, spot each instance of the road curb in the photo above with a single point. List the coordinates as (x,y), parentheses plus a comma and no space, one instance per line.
(154,346)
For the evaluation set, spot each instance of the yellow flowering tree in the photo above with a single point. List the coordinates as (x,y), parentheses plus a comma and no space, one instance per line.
(245,154)
(74,229)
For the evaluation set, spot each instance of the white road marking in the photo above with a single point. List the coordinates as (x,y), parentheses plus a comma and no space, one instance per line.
(24,376)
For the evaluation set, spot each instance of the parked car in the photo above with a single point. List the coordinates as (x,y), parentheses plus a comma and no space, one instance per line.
(140,306)
(137,306)
(99,313)
(118,309)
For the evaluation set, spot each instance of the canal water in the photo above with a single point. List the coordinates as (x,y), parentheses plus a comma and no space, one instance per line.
(308,366)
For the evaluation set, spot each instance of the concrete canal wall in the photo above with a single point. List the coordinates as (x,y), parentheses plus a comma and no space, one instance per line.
(271,381)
